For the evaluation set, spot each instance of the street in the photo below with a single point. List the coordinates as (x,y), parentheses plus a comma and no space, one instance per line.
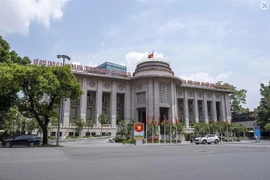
(84,160)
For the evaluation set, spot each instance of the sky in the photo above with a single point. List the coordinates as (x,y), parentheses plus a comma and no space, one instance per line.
(207,41)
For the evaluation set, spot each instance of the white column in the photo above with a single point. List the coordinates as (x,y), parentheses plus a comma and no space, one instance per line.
(228,109)
(173,102)
(222,108)
(156,99)
(150,98)
(127,103)
(214,109)
(133,101)
(98,101)
(186,113)
(113,105)
(205,110)
(83,99)
(195,108)
(66,112)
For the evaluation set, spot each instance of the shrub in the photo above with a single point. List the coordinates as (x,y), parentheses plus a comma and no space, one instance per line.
(52,137)
(129,141)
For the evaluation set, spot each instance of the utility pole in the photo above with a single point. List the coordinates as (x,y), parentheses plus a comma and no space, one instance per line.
(64,57)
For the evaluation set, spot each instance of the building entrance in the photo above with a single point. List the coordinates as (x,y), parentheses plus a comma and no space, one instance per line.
(163,113)
(142,117)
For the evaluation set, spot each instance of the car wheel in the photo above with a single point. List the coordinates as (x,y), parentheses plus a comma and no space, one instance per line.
(209,143)
(8,145)
(216,141)
(204,142)
(197,143)
(31,144)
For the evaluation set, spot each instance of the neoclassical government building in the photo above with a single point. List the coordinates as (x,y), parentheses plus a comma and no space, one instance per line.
(152,90)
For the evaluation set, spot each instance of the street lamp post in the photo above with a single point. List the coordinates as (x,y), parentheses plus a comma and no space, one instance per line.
(64,57)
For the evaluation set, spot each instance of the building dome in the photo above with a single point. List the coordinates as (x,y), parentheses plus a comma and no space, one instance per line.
(153,68)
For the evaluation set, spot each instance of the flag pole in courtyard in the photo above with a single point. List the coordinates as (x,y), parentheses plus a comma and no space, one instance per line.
(159,130)
(146,128)
(171,129)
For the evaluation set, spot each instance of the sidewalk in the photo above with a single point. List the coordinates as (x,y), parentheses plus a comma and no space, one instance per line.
(78,139)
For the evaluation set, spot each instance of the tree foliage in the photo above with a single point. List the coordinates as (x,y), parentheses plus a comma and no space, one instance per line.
(13,122)
(263,110)
(10,56)
(238,129)
(89,123)
(236,99)
(103,119)
(8,93)
(37,82)
(200,128)
(79,124)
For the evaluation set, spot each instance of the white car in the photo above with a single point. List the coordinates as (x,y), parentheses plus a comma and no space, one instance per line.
(209,138)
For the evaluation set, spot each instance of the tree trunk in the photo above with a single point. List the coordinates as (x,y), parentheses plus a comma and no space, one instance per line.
(45,136)
(101,130)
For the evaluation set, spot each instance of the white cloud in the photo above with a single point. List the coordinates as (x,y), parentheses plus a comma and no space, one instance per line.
(156,1)
(132,58)
(17,15)
(201,76)
(206,77)
(76,62)
(224,77)
(170,25)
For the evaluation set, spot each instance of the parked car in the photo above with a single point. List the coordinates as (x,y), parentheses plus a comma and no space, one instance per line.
(209,138)
(28,140)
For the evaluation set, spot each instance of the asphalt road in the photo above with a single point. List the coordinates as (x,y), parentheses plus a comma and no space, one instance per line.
(85,160)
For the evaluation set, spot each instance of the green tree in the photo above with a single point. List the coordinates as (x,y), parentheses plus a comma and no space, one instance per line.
(35,83)
(236,99)
(12,122)
(8,56)
(177,129)
(130,129)
(79,124)
(31,124)
(8,89)
(102,119)
(238,129)
(152,129)
(200,128)
(263,110)
(53,123)
(267,128)
(214,127)
(122,129)
(89,124)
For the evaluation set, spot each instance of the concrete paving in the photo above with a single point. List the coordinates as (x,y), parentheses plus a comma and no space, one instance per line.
(98,160)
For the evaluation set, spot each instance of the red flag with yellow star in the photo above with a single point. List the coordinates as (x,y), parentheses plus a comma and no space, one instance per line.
(138,127)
